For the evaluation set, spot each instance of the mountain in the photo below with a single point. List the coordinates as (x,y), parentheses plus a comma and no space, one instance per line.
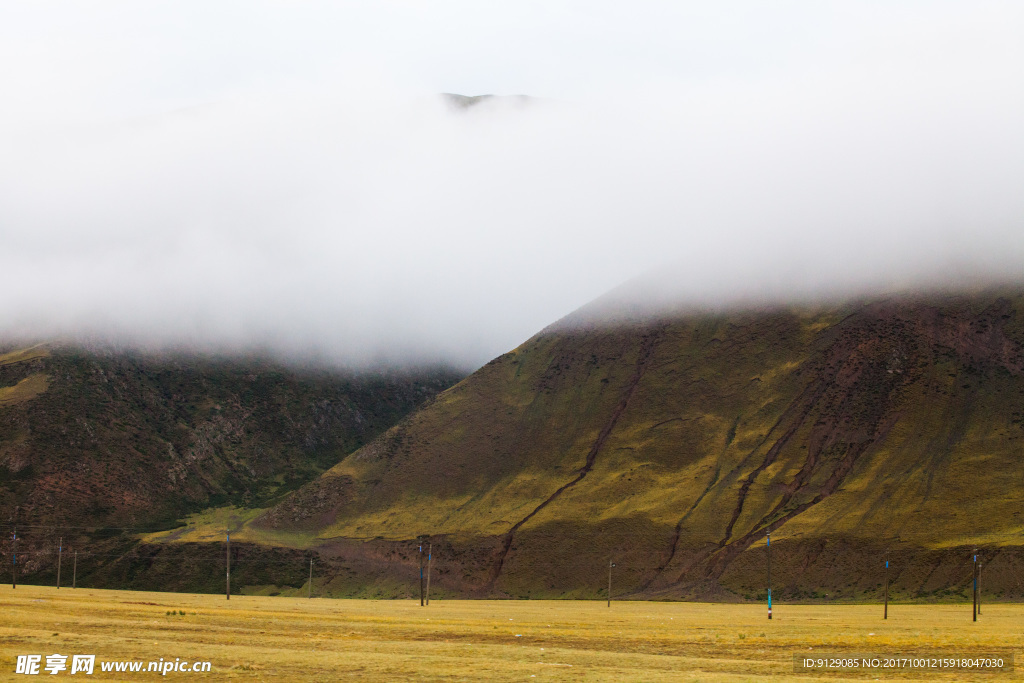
(96,437)
(672,444)
(464,102)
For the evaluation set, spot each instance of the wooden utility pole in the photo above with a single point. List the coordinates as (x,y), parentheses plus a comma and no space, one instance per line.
(74,571)
(768,536)
(422,594)
(885,614)
(975,584)
(227,578)
(60,549)
(610,565)
(430,560)
(309,595)
(14,558)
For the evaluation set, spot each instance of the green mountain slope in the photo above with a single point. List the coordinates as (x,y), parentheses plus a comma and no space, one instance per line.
(675,444)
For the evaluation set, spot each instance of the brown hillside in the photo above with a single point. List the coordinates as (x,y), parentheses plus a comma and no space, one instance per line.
(98,438)
(674,445)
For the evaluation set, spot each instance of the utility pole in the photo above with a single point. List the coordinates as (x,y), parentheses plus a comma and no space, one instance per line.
(975,584)
(227,578)
(60,549)
(430,559)
(979,589)
(421,576)
(885,614)
(768,536)
(14,558)
(74,570)
(610,565)
(309,596)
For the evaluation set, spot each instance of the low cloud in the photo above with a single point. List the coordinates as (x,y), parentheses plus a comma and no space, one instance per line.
(362,224)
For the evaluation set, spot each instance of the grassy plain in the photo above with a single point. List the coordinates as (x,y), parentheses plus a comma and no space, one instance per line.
(264,638)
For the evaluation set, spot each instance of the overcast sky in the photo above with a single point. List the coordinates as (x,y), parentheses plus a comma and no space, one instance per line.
(280,175)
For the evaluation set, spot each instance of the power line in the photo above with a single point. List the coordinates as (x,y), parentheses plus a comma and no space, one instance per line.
(228,578)
(86,555)
(145,529)
(768,547)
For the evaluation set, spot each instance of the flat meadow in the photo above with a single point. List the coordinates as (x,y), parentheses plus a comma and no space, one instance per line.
(297,639)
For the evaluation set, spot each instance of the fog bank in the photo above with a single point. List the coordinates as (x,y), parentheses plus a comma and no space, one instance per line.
(359,218)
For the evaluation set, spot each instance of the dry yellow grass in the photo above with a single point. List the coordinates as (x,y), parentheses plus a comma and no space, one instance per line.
(22,355)
(262,638)
(25,390)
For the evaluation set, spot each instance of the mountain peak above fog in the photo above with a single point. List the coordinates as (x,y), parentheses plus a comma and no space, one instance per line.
(463,102)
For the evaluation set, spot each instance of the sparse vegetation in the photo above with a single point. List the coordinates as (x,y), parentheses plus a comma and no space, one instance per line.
(673,445)
(670,445)
(109,439)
